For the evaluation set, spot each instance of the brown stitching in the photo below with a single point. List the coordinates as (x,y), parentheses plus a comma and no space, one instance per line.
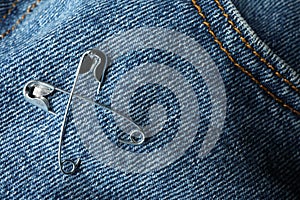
(245,71)
(248,45)
(13,6)
(29,9)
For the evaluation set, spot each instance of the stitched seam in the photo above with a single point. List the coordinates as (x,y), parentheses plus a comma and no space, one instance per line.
(249,46)
(12,7)
(245,71)
(29,9)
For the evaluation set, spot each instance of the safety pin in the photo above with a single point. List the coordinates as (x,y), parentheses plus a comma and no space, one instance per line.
(36,92)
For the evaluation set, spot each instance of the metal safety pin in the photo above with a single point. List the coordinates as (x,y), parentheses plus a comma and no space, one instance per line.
(36,92)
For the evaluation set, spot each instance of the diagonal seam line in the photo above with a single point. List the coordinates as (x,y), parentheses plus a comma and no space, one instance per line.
(29,9)
(8,12)
(245,71)
(249,46)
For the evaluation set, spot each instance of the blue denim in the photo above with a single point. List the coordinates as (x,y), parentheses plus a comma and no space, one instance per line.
(220,109)
(277,24)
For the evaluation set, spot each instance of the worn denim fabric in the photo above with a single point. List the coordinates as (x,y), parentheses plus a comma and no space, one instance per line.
(277,24)
(220,109)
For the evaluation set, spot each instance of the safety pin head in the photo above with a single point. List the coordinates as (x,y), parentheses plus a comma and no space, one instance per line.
(36,92)
(96,61)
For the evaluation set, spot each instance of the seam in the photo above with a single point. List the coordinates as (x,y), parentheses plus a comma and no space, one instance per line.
(245,71)
(28,10)
(8,12)
(249,46)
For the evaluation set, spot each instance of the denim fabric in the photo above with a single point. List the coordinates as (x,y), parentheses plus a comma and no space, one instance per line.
(10,13)
(221,122)
(277,24)
(4,7)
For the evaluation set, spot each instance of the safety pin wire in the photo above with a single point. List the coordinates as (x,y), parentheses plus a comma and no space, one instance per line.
(131,134)
(76,164)
(36,92)
(102,106)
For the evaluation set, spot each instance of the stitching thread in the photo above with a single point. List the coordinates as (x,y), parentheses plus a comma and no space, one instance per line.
(29,9)
(245,71)
(248,45)
(13,6)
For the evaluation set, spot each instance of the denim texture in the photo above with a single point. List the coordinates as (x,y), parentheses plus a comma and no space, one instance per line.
(277,24)
(255,156)
(4,7)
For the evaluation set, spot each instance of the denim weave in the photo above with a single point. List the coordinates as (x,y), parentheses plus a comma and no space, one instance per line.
(277,24)
(177,94)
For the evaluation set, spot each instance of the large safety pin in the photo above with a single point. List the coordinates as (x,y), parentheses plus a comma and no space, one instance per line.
(36,92)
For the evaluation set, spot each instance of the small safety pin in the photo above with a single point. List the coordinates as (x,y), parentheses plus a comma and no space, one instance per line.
(36,92)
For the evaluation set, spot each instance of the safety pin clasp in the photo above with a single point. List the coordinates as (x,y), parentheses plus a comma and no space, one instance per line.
(36,93)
